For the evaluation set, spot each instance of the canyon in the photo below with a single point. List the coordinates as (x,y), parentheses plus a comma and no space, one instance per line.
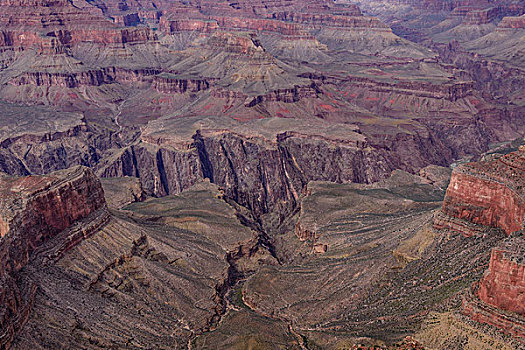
(275,174)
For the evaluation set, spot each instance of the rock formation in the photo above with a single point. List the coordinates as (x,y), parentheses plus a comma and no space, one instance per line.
(245,118)
(478,17)
(512,22)
(34,210)
(503,286)
(488,193)
(498,298)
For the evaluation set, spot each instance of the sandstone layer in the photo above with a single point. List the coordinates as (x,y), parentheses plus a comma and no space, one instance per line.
(34,210)
(485,194)
(497,299)
(504,284)
(488,193)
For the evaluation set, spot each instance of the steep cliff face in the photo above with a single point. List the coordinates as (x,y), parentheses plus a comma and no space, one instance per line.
(162,170)
(37,24)
(82,78)
(170,84)
(503,286)
(45,205)
(155,274)
(488,193)
(512,22)
(498,299)
(187,25)
(54,150)
(33,210)
(289,95)
(481,16)
(267,173)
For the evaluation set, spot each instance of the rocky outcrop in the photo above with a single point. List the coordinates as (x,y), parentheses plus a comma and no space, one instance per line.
(503,286)
(512,23)
(488,193)
(214,23)
(162,170)
(232,43)
(498,299)
(130,19)
(267,175)
(260,25)
(485,194)
(290,95)
(463,11)
(440,5)
(495,80)
(481,16)
(169,84)
(343,22)
(486,314)
(187,25)
(33,210)
(38,24)
(452,91)
(86,78)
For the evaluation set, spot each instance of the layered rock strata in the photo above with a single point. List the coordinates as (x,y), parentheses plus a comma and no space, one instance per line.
(503,286)
(512,22)
(489,193)
(481,16)
(33,210)
(485,194)
(498,299)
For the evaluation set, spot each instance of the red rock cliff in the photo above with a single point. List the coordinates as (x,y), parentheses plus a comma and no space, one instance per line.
(489,193)
(503,285)
(499,298)
(34,209)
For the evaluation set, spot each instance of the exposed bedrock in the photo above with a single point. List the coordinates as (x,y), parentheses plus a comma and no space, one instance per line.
(289,95)
(168,84)
(498,299)
(34,209)
(187,25)
(258,172)
(503,286)
(488,193)
(494,80)
(215,23)
(347,22)
(38,24)
(443,5)
(43,153)
(86,78)
(481,16)
(512,22)
(55,41)
(483,194)
(162,171)
(130,19)
(269,175)
(451,91)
